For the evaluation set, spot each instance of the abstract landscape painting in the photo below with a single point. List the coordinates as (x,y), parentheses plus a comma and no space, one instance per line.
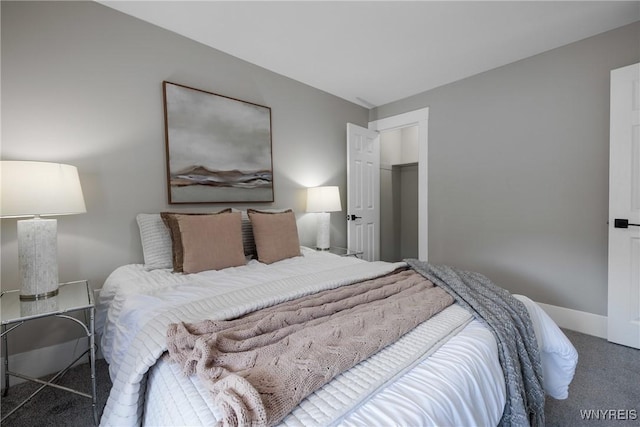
(218,148)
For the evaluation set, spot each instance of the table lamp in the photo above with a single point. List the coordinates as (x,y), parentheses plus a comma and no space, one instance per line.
(323,200)
(36,189)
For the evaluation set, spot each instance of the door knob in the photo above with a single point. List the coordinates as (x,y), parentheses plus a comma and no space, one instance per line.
(353,217)
(623,223)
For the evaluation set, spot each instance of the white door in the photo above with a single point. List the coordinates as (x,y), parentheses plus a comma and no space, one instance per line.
(363,191)
(624,208)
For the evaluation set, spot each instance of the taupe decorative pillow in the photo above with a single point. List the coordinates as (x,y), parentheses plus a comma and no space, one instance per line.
(275,234)
(177,247)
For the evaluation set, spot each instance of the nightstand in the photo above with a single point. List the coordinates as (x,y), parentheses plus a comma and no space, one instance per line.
(344,252)
(72,297)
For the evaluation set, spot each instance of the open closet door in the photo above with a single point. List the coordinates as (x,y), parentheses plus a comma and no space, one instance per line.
(363,191)
(624,208)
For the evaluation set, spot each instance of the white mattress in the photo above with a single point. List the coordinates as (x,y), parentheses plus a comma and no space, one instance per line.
(460,384)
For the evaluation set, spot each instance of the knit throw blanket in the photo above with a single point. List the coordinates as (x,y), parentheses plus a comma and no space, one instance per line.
(259,367)
(511,325)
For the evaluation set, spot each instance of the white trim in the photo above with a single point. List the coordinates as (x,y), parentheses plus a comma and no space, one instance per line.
(579,321)
(44,361)
(418,118)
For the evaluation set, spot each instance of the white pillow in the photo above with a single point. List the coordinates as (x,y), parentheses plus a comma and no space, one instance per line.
(156,241)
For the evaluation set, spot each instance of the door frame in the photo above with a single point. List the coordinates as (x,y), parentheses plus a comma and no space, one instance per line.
(419,118)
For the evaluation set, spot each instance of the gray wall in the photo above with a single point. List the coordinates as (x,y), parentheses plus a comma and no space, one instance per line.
(398,212)
(81,84)
(389,225)
(399,194)
(408,210)
(518,170)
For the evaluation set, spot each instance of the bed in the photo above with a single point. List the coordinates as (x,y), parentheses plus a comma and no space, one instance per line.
(445,371)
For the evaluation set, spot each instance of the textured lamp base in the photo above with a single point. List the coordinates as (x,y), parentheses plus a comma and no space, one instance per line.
(39,306)
(323,232)
(38,258)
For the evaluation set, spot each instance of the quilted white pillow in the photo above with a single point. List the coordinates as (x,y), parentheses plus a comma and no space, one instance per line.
(156,241)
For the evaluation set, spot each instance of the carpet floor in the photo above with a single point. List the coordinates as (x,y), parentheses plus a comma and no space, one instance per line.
(606,388)
(53,407)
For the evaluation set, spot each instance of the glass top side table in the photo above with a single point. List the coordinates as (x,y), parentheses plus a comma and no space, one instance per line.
(344,252)
(72,297)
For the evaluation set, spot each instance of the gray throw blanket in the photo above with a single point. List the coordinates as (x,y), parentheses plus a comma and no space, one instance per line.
(511,325)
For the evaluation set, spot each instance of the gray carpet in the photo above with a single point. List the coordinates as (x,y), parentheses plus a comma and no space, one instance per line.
(607,379)
(53,407)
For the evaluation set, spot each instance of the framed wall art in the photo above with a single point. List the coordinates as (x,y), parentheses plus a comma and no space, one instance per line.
(218,148)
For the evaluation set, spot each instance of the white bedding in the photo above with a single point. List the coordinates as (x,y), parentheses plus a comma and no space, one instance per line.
(437,392)
(460,384)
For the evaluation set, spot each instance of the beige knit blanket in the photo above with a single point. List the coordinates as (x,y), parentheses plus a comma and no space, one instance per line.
(259,367)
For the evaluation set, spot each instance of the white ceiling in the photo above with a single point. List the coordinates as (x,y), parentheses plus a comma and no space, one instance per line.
(376,52)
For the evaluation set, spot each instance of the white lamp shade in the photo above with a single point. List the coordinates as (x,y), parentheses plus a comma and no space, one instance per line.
(323,199)
(39,188)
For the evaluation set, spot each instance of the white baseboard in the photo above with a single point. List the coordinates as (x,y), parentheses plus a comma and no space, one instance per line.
(579,321)
(44,361)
